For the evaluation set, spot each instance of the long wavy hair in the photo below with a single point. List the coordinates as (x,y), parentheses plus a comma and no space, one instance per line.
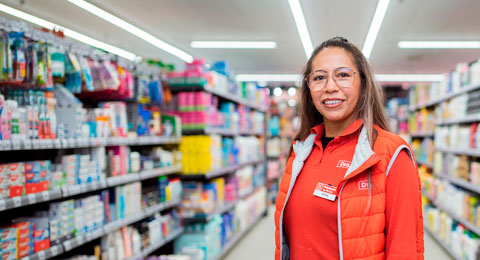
(370,106)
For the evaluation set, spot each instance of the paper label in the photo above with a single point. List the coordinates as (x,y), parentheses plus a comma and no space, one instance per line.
(325,191)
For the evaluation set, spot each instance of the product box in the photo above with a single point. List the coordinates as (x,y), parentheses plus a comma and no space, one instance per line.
(8,233)
(8,245)
(16,179)
(9,255)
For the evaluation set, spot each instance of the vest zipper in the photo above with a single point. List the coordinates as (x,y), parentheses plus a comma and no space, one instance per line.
(339,222)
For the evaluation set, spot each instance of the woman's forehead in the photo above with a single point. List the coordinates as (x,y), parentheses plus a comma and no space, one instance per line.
(332,58)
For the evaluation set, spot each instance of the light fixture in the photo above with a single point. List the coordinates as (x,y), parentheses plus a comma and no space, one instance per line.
(67,32)
(439,44)
(269,77)
(132,29)
(409,77)
(302,29)
(292,102)
(262,84)
(277,91)
(292,91)
(233,44)
(375,27)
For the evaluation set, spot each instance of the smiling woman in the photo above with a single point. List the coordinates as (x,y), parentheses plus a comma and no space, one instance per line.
(347,178)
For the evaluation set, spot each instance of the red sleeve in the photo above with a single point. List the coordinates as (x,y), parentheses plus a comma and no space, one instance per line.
(402,209)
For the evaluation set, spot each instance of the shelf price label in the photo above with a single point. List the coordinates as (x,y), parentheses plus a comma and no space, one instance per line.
(45,195)
(41,255)
(68,245)
(3,205)
(54,250)
(32,198)
(17,202)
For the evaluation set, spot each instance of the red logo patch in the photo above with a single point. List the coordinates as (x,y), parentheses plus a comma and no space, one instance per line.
(343,164)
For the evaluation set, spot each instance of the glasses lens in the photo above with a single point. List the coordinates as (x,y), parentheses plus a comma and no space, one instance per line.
(344,77)
(316,80)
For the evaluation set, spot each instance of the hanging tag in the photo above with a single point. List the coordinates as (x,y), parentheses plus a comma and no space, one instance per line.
(325,191)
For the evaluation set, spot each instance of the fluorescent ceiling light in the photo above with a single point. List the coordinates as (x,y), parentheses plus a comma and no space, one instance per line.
(439,44)
(268,77)
(375,27)
(301,26)
(292,91)
(409,77)
(233,45)
(67,32)
(132,29)
(277,91)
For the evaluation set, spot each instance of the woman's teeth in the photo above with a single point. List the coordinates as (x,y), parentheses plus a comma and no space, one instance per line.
(332,102)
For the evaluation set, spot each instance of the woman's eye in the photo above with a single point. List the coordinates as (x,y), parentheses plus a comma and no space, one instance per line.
(319,78)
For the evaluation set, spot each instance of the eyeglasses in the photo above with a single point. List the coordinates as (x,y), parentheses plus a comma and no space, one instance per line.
(344,77)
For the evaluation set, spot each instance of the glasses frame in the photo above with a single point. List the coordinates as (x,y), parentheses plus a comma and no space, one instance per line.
(330,76)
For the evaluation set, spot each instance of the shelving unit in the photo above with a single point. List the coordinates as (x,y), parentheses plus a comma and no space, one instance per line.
(441,242)
(219,131)
(65,192)
(150,249)
(446,97)
(421,135)
(426,164)
(222,171)
(227,96)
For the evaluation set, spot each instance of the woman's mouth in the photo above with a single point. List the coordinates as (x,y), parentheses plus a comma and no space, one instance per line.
(332,102)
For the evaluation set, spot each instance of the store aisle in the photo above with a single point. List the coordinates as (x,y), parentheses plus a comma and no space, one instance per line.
(259,243)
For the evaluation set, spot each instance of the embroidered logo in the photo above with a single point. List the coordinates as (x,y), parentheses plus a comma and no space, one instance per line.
(343,164)
(363,185)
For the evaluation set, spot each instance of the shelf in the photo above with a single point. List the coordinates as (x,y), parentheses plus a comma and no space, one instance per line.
(71,143)
(150,249)
(465,119)
(469,225)
(469,152)
(236,238)
(441,242)
(461,183)
(220,131)
(463,90)
(228,96)
(245,196)
(147,212)
(207,217)
(112,226)
(428,165)
(422,134)
(221,171)
(45,254)
(20,201)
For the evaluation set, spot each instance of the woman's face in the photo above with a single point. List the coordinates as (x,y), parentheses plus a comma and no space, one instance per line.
(336,101)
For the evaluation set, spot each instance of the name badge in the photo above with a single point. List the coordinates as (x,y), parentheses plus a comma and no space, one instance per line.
(325,191)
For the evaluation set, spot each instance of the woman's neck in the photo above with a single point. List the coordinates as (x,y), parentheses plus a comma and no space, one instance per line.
(336,128)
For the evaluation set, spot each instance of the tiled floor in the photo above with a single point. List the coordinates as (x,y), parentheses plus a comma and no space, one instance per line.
(259,244)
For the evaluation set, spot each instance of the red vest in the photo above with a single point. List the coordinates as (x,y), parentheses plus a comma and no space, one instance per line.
(361,232)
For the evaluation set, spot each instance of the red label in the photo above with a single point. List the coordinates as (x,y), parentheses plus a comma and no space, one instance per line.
(13,166)
(29,176)
(343,164)
(326,188)
(28,166)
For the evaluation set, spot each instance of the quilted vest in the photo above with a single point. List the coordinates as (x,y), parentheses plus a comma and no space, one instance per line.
(361,221)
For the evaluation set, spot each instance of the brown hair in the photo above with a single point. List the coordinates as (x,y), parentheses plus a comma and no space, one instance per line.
(370,106)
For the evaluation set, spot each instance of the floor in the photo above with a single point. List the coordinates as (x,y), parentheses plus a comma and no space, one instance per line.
(259,243)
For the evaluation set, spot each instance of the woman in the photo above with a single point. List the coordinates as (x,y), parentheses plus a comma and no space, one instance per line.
(351,188)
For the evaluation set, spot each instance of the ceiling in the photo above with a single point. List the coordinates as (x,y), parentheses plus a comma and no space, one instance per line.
(179,22)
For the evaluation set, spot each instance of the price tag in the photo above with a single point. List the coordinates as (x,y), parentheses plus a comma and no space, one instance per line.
(32,198)
(64,143)
(89,236)
(57,143)
(43,144)
(3,205)
(7,145)
(83,188)
(94,185)
(26,258)
(54,250)
(16,144)
(74,190)
(65,191)
(68,245)
(80,240)
(45,195)
(1,145)
(41,255)
(71,142)
(17,202)
(35,144)
(27,144)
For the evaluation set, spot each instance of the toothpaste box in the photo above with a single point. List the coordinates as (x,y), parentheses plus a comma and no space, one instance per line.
(16,179)
(8,245)
(9,255)
(41,234)
(8,233)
